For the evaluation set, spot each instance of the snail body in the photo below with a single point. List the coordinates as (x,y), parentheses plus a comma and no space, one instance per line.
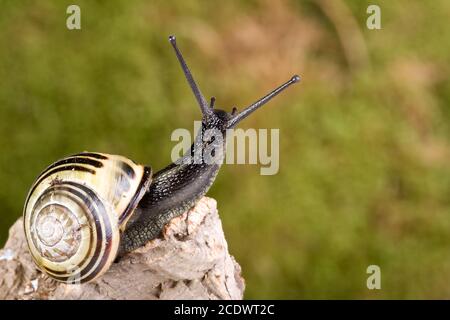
(86,210)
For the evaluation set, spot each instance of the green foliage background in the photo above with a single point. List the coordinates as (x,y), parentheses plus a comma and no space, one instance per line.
(364,139)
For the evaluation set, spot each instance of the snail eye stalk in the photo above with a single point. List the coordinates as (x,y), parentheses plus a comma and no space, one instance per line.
(190,79)
(213,101)
(250,109)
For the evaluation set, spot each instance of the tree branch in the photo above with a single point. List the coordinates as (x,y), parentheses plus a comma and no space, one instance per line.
(191,261)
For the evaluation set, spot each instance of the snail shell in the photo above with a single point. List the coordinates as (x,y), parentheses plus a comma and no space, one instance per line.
(76,210)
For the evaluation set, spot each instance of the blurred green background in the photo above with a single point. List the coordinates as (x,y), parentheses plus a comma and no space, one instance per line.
(364,139)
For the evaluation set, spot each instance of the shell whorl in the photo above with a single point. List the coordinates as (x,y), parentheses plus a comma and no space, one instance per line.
(75,211)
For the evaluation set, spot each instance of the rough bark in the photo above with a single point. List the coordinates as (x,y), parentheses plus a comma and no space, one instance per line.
(190,261)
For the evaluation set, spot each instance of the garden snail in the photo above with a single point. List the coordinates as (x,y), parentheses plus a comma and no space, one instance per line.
(85,210)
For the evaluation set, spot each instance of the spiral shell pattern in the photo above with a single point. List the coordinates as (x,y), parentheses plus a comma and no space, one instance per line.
(75,211)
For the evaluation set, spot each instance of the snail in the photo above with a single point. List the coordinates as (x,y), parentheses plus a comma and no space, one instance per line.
(84,211)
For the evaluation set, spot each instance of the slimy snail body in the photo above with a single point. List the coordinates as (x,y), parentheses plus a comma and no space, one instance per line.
(85,210)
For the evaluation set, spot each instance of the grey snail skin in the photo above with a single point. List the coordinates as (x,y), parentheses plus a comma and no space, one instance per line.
(88,209)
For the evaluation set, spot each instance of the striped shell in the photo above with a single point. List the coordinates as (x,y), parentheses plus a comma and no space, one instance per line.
(75,211)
